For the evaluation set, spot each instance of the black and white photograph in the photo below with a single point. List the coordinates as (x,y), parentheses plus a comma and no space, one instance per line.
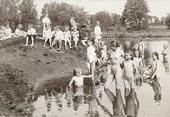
(84,58)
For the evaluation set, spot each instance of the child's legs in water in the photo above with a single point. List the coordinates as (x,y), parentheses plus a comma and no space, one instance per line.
(131,82)
(157,84)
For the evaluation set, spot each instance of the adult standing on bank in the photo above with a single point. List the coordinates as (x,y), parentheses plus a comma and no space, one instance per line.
(88,29)
(73,23)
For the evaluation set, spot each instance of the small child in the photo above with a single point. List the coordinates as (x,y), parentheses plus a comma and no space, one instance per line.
(165,57)
(19,32)
(91,57)
(47,35)
(75,35)
(78,78)
(103,52)
(138,63)
(31,34)
(154,72)
(141,46)
(135,46)
(58,37)
(129,68)
(67,37)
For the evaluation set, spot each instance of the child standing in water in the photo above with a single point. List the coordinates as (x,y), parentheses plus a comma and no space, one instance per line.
(165,57)
(154,71)
(78,78)
(139,65)
(129,68)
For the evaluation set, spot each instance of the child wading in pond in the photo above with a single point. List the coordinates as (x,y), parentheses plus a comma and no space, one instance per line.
(31,34)
(67,37)
(165,57)
(129,68)
(78,78)
(154,72)
(138,63)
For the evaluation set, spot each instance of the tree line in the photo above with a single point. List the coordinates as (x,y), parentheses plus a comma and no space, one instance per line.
(134,16)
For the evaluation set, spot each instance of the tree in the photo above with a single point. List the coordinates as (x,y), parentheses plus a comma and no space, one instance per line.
(135,13)
(60,13)
(28,12)
(167,21)
(104,18)
(9,12)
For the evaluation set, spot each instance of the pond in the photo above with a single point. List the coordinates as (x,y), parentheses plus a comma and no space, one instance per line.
(54,99)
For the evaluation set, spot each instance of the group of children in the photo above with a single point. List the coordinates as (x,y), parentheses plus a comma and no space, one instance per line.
(59,36)
(122,64)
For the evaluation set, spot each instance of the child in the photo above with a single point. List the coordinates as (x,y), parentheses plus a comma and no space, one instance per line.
(75,35)
(98,33)
(46,24)
(154,72)
(135,46)
(128,68)
(83,37)
(91,57)
(103,52)
(58,37)
(165,57)
(30,34)
(19,32)
(138,63)
(141,46)
(78,78)
(47,35)
(67,37)
(7,32)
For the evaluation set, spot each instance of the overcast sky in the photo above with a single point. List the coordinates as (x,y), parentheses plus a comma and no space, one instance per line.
(157,7)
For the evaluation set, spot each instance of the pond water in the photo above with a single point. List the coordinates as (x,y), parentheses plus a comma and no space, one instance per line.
(89,101)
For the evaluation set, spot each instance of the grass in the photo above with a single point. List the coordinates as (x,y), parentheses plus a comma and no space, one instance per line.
(152,32)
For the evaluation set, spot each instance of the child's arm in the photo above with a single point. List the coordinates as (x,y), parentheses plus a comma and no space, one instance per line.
(156,70)
(88,76)
(71,82)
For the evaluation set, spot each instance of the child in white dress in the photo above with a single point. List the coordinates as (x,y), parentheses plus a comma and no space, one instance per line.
(75,35)
(67,37)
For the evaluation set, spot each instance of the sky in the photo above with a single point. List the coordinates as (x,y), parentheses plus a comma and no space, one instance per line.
(157,8)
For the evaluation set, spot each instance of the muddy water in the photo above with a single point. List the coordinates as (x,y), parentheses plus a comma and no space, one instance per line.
(55,100)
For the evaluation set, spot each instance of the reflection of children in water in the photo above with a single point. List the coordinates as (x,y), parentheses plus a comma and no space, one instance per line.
(165,57)
(48,100)
(132,104)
